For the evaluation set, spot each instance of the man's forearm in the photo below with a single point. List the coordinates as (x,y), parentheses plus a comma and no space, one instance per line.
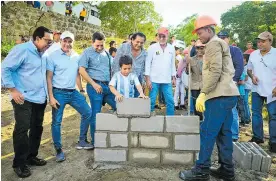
(250,74)
(49,83)
(85,75)
(78,81)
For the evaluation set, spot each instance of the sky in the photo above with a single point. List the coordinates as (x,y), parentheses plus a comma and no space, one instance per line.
(174,11)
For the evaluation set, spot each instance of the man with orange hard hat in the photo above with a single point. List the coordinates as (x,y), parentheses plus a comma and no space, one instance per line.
(219,95)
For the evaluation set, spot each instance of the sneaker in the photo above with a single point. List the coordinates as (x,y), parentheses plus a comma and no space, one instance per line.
(192,175)
(60,157)
(84,145)
(22,171)
(256,140)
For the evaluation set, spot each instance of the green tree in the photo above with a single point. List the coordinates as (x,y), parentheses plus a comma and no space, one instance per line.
(125,17)
(246,21)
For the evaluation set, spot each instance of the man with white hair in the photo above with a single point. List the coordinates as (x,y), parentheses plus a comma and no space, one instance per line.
(62,77)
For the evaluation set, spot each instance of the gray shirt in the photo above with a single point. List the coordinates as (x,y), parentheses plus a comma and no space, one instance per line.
(138,66)
(96,64)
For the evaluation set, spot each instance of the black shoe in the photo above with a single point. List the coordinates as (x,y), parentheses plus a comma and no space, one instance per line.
(183,107)
(235,140)
(256,140)
(221,173)
(176,107)
(272,147)
(22,171)
(36,161)
(191,175)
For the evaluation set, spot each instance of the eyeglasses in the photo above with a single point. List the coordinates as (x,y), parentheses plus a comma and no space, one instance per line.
(200,47)
(263,62)
(48,41)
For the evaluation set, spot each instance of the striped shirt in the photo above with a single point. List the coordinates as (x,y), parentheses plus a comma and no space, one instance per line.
(125,84)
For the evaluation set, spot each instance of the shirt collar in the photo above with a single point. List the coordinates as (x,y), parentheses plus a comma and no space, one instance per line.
(270,51)
(32,45)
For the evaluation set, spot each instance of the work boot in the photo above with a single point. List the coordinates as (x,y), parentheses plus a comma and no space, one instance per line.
(272,147)
(36,161)
(256,140)
(22,171)
(193,175)
(222,173)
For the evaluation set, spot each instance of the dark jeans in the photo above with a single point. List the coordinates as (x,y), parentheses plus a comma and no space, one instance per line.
(195,94)
(28,116)
(81,18)
(241,109)
(216,128)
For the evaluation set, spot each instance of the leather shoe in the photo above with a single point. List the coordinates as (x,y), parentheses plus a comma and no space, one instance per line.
(36,161)
(256,140)
(272,147)
(221,173)
(22,171)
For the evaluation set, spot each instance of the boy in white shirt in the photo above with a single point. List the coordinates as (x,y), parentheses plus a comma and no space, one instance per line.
(123,82)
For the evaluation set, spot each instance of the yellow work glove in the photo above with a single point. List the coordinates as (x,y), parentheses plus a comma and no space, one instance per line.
(200,103)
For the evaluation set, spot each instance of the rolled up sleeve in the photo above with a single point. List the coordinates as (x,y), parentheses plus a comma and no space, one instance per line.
(213,55)
(10,64)
(83,61)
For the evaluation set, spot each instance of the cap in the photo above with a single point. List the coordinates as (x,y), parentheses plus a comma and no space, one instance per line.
(223,34)
(265,36)
(67,34)
(163,31)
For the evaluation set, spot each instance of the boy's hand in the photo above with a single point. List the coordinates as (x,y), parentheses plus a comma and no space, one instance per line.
(119,97)
(143,96)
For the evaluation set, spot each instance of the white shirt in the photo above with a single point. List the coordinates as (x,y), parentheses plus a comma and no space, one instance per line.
(263,67)
(160,65)
(125,84)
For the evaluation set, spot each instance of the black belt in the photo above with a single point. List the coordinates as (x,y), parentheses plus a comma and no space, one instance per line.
(67,90)
(103,82)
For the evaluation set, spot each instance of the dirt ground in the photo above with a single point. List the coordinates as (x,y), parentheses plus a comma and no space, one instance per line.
(79,164)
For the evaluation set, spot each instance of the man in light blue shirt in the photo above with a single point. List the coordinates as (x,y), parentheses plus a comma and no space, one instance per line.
(23,73)
(95,69)
(62,77)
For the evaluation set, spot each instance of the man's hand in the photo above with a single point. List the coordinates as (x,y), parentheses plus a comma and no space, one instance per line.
(255,80)
(17,96)
(143,96)
(149,84)
(274,92)
(98,88)
(173,82)
(119,97)
(53,102)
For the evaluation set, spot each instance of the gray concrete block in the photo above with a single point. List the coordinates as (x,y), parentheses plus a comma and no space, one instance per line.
(183,158)
(242,155)
(187,142)
(256,156)
(100,140)
(182,124)
(133,140)
(118,140)
(110,122)
(110,155)
(266,161)
(133,107)
(152,124)
(155,140)
(144,155)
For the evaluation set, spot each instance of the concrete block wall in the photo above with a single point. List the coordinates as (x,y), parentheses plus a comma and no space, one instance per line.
(251,156)
(155,140)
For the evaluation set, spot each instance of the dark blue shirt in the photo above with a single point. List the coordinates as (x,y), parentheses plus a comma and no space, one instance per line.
(237,58)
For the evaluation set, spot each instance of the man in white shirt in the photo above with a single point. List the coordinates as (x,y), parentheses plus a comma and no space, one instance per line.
(160,70)
(262,63)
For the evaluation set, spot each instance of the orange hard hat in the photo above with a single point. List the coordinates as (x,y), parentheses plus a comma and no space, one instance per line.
(203,21)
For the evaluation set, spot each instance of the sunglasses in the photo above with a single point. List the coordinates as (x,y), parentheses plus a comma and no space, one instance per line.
(200,47)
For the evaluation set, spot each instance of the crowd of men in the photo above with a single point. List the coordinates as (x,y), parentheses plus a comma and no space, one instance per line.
(221,79)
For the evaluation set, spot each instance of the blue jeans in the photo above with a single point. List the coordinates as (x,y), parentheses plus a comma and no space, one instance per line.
(241,109)
(96,104)
(257,119)
(247,109)
(216,127)
(161,98)
(78,102)
(166,90)
(192,105)
(235,123)
(195,94)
